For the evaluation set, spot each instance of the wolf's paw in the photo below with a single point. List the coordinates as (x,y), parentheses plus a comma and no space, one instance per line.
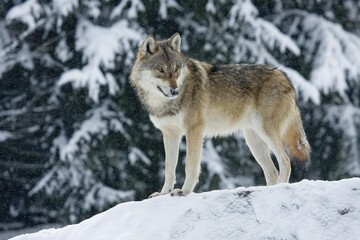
(155,194)
(178,192)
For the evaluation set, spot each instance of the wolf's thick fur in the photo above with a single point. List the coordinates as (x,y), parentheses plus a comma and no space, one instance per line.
(187,97)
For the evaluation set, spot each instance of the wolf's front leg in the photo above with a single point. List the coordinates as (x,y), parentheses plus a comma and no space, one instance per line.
(194,141)
(171,144)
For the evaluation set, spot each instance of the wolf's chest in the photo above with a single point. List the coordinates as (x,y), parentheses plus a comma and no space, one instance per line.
(169,123)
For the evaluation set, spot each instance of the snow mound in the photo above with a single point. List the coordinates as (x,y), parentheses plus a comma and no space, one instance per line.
(306,210)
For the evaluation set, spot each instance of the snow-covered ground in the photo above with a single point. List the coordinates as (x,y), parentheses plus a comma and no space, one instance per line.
(306,210)
(5,235)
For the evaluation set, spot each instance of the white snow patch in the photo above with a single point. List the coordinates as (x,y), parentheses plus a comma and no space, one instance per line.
(306,88)
(5,135)
(329,48)
(347,119)
(307,210)
(64,7)
(97,125)
(165,4)
(108,194)
(91,77)
(210,7)
(27,13)
(135,7)
(215,166)
(337,56)
(100,44)
(100,47)
(136,154)
(63,52)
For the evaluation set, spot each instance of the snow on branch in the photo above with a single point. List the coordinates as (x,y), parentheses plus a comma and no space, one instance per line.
(100,121)
(242,10)
(210,7)
(65,7)
(216,167)
(165,4)
(337,57)
(243,15)
(347,119)
(332,51)
(100,196)
(4,54)
(4,135)
(28,13)
(72,166)
(135,7)
(91,77)
(307,89)
(273,38)
(100,46)
(136,154)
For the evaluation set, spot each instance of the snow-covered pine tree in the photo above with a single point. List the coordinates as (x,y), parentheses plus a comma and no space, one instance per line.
(76,56)
(22,108)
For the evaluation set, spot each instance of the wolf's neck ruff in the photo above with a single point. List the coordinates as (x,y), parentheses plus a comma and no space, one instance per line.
(168,107)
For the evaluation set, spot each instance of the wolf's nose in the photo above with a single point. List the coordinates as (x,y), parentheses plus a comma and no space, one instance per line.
(174,91)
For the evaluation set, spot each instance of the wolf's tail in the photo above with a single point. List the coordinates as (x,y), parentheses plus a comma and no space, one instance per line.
(296,142)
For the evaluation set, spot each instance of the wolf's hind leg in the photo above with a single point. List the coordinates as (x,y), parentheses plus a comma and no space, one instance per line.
(274,142)
(261,153)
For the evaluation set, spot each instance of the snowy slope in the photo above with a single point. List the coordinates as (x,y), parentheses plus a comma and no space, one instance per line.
(306,210)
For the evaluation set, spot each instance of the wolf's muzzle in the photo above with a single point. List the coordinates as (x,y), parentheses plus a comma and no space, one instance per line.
(174,91)
(172,94)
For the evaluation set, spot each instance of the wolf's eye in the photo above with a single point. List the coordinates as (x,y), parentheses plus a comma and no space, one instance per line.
(176,69)
(160,70)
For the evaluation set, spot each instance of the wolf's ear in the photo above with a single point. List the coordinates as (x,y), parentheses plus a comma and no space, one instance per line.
(175,42)
(148,46)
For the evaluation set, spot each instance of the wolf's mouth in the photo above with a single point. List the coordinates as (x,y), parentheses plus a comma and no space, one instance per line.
(166,95)
(169,95)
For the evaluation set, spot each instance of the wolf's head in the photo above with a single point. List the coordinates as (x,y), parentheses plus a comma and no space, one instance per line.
(159,67)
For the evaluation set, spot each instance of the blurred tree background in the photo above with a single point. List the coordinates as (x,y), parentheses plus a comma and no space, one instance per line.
(74,139)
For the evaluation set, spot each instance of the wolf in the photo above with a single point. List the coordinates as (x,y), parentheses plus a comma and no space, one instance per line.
(195,99)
